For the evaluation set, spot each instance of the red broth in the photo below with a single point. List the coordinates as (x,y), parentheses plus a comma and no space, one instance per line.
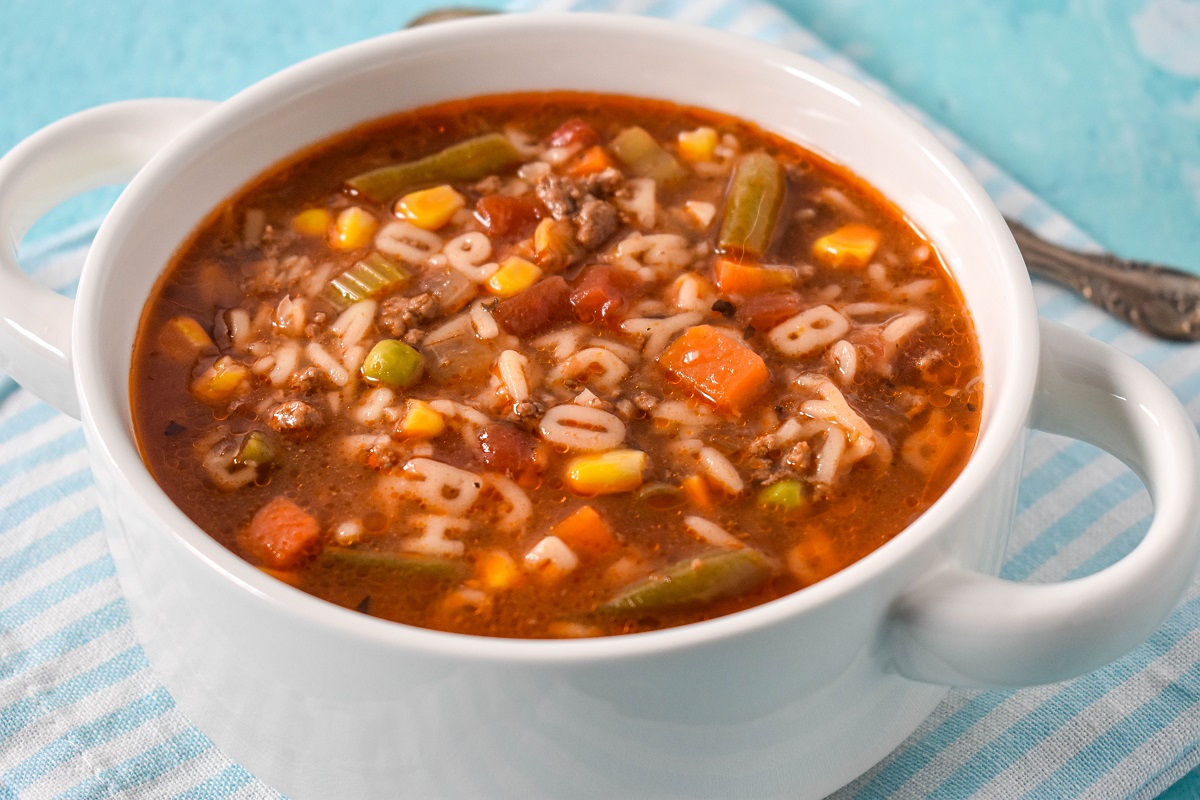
(555,365)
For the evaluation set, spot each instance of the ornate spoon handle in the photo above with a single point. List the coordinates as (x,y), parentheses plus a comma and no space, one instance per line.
(1160,300)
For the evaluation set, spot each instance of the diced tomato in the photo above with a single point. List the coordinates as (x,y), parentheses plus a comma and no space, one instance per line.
(573,131)
(716,365)
(280,535)
(507,217)
(765,311)
(536,309)
(506,448)
(601,293)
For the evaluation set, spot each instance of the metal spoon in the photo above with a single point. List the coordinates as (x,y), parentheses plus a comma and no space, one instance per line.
(1160,300)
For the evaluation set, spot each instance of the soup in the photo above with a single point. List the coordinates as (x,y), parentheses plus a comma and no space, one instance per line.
(555,365)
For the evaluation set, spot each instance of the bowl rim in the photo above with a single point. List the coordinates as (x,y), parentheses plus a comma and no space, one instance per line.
(114,441)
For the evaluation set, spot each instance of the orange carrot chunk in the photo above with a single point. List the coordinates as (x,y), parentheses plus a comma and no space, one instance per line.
(716,365)
(589,162)
(738,277)
(585,532)
(280,535)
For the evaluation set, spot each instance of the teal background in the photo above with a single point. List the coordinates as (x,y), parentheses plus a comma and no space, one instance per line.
(1095,106)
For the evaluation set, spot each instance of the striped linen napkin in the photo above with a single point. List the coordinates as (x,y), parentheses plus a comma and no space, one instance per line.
(82,715)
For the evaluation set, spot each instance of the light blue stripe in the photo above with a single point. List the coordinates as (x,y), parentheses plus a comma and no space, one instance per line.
(86,629)
(143,768)
(223,784)
(1061,305)
(1073,699)
(917,755)
(28,505)
(1048,475)
(45,547)
(1070,526)
(1188,386)
(26,420)
(70,442)
(1115,550)
(1105,751)
(90,734)
(21,713)
(48,596)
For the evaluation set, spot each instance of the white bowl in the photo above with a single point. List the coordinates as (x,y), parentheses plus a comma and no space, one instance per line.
(793,698)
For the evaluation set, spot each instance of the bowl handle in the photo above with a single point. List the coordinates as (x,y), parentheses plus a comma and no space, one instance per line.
(964,628)
(99,147)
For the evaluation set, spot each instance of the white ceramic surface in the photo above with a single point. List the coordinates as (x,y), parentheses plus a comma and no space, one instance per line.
(789,699)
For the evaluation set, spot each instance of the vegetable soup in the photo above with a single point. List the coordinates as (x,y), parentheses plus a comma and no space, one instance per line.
(555,365)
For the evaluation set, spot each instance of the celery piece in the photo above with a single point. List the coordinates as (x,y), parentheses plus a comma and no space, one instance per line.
(393,363)
(466,161)
(409,565)
(639,151)
(660,496)
(785,495)
(752,205)
(693,582)
(368,278)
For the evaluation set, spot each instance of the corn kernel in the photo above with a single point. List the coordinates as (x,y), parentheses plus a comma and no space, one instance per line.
(422,421)
(851,245)
(222,380)
(498,570)
(698,145)
(430,208)
(514,276)
(354,228)
(606,473)
(312,222)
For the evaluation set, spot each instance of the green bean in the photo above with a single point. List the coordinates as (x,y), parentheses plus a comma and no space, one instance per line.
(256,450)
(785,495)
(752,205)
(693,582)
(639,151)
(408,565)
(368,278)
(466,161)
(393,363)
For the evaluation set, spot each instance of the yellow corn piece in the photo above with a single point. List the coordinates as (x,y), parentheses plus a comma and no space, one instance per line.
(498,570)
(312,222)
(182,338)
(354,228)
(514,276)
(421,420)
(606,473)
(698,145)
(222,380)
(851,245)
(430,208)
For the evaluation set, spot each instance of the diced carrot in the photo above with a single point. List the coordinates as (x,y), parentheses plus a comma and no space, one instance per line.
(717,365)
(697,490)
(738,277)
(280,535)
(589,162)
(586,532)
(498,570)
